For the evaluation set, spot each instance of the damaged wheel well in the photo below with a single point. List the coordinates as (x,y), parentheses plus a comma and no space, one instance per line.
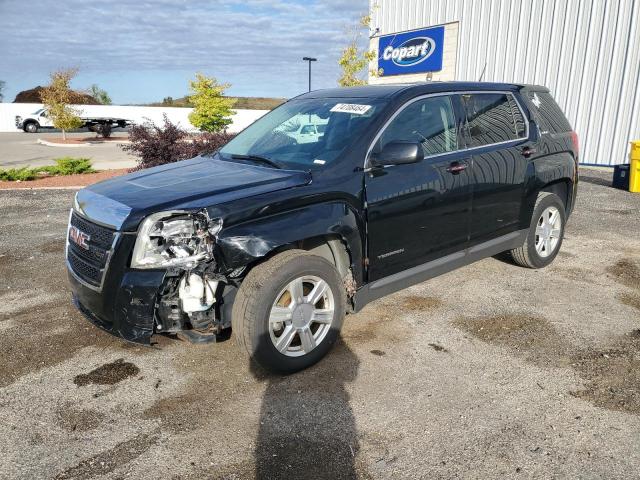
(210,307)
(330,247)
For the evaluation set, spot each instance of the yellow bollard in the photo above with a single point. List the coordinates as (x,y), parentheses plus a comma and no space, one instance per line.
(634,168)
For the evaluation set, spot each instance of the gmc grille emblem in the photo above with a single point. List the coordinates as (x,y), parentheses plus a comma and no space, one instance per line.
(79,237)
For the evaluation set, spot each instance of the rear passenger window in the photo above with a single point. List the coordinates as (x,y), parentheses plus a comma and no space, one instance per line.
(493,118)
(550,115)
(429,122)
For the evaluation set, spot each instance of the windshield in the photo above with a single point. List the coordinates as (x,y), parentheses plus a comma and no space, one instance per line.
(305,134)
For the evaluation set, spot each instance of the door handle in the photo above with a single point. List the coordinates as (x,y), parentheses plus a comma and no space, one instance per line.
(528,151)
(455,168)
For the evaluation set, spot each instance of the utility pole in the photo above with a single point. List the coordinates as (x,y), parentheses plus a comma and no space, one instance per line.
(309,59)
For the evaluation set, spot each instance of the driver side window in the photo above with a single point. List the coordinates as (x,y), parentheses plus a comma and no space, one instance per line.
(429,122)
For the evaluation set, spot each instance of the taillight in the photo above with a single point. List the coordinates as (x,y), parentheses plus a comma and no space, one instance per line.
(574,140)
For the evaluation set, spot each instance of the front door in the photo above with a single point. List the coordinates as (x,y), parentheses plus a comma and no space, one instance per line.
(418,212)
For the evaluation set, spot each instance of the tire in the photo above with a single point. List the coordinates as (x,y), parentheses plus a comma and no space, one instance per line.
(544,239)
(31,127)
(264,314)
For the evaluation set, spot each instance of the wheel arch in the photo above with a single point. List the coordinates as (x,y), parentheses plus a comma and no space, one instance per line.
(562,188)
(331,230)
(30,122)
(552,173)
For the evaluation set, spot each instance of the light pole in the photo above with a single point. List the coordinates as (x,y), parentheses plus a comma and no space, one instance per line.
(309,59)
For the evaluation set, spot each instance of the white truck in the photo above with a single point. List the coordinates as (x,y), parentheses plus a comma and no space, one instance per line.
(40,119)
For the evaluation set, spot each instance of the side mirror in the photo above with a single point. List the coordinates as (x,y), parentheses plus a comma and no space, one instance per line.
(398,153)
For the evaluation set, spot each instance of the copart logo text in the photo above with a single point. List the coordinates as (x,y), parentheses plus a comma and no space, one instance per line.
(411,52)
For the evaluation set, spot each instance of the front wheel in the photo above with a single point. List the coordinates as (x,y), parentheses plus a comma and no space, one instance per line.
(31,127)
(289,311)
(545,233)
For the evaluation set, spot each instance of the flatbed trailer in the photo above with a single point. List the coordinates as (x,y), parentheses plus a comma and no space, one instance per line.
(40,120)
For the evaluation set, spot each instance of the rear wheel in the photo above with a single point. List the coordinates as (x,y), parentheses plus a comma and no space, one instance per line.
(545,233)
(289,311)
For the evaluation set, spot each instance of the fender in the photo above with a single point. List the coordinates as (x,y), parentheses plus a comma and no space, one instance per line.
(248,242)
(547,170)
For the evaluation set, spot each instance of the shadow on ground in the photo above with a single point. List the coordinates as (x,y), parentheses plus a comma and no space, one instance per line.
(307,427)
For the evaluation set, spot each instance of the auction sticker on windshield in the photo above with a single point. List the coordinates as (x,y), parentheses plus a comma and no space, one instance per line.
(351,108)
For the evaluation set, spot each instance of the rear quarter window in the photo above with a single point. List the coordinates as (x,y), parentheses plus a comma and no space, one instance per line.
(493,118)
(548,114)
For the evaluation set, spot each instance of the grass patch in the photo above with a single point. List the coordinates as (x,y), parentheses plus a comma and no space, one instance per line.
(63,166)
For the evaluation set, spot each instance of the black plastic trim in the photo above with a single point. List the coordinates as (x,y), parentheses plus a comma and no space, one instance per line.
(401,280)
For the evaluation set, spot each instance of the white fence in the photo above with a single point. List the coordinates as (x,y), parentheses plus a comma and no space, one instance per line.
(180,116)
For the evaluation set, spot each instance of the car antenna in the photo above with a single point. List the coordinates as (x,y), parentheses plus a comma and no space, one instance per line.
(483,70)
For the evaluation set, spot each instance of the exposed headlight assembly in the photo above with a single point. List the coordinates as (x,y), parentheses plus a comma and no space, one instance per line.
(175,239)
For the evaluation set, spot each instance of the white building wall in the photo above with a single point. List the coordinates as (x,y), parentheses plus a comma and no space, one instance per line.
(586,51)
(180,116)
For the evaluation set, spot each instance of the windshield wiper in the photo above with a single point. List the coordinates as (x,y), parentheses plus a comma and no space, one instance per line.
(256,158)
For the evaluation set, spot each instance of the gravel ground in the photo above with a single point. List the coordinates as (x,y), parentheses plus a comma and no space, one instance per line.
(488,371)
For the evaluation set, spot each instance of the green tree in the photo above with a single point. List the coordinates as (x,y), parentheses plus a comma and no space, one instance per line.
(2,85)
(354,60)
(100,95)
(212,110)
(56,98)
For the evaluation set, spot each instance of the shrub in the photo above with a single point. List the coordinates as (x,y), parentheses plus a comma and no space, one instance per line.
(206,143)
(71,166)
(63,166)
(21,174)
(158,145)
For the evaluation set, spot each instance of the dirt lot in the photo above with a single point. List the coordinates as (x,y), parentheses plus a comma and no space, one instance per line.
(489,371)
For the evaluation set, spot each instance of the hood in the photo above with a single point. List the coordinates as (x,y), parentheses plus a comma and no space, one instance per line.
(122,202)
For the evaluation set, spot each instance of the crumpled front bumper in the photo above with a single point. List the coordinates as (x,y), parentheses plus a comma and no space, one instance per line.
(124,308)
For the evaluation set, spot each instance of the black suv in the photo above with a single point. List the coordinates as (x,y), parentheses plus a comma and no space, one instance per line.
(278,236)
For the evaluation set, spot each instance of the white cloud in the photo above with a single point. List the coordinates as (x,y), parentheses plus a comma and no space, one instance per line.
(227,38)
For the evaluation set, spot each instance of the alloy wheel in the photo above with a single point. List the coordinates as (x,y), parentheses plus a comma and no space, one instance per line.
(548,231)
(301,316)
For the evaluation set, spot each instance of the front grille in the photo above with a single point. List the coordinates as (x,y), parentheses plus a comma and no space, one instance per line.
(100,236)
(90,264)
(84,270)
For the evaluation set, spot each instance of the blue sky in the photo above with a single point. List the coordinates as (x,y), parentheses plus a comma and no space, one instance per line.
(142,51)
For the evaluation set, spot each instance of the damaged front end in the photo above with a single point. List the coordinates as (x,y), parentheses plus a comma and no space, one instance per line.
(195,299)
(164,278)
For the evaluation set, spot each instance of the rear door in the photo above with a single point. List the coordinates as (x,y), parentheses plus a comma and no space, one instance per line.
(419,212)
(497,134)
